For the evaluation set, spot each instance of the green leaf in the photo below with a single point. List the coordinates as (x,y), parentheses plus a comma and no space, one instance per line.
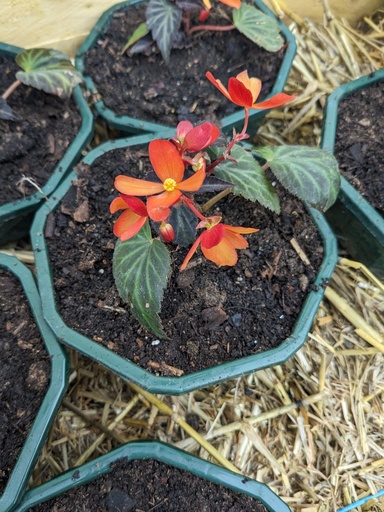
(258,27)
(309,173)
(48,70)
(141,267)
(141,31)
(6,112)
(163,19)
(184,223)
(249,178)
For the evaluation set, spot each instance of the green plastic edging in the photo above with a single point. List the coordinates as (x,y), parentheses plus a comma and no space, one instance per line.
(130,371)
(357,224)
(22,470)
(163,453)
(17,214)
(137,126)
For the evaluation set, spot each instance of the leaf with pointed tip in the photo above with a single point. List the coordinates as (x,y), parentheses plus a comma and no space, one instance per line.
(184,223)
(249,178)
(48,70)
(140,31)
(163,19)
(213,184)
(260,28)
(311,174)
(6,112)
(142,45)
(141,267)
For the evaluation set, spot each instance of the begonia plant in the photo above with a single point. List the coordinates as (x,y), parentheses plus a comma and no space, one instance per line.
(198,159)
(48,70)
(168,24)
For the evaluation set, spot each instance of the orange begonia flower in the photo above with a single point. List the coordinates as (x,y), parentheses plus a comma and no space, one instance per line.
(169,167)
(193,139)
(244,91)
(219,242)
(132,219)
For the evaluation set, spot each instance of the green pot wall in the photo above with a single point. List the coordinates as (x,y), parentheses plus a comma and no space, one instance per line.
(136,126)
(358,226)
(162,453)
(130,371)
(18,479)
(16,217)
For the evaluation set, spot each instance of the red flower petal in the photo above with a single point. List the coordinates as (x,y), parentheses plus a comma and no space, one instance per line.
(194,182)
(158,206)
(135,187)
(222,254)
(232,3)
(190,253)
(182,129)
(276,101)
(128,225)
(213,236)
(136,205)
(200,137)
(117,204)
(239,93)
(252,84)
(165,160)
(218,84)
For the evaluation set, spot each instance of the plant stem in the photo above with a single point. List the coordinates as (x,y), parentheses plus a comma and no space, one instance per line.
(218,28)
(215,199)
(10,89)
(192,207)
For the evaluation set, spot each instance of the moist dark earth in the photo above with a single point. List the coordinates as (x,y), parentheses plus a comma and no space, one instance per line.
(210,314)
(144,87)
(32,147)
(359,146)
(24,372)
(146,485)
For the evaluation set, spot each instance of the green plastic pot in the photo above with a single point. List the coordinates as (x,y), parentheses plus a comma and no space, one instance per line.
(136,126)
(132,372)
(16,217)
(22,470)
(358,226)
(162,453)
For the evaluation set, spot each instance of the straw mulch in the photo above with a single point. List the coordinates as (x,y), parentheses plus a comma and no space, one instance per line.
(313,428)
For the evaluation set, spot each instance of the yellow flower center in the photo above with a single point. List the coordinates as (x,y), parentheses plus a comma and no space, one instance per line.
(169,184)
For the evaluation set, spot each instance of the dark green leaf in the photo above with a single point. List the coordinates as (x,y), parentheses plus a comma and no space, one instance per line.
(258,27)
(184,223)
(141,267)
(163,19)
(48,70)
(213,184)
(6,112)
(309,173)
(141,31)
(249,178)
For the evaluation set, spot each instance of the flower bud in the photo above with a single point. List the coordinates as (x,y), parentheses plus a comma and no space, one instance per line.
(166,231)
(203,15)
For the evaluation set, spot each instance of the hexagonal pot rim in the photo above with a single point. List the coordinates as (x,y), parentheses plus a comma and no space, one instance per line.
(33,444)
(145,450)
(130,371)
(22,207)
(138,126)
(359,209)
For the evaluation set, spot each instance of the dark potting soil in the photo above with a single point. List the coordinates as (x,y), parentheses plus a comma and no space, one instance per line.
(32,147)
(210,314)
(144,87)
(359,146)
(145,485)
(24,372)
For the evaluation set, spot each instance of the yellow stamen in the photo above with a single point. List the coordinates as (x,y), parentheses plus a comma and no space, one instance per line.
(169,184)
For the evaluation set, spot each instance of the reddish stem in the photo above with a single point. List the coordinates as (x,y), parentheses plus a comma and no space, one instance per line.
(10,89)
(237,137)
(218,28)
(192,207)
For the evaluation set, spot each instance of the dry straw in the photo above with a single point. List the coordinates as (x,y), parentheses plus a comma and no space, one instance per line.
(313,428)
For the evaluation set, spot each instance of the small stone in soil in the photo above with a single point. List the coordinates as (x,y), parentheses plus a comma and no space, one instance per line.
(120,501)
